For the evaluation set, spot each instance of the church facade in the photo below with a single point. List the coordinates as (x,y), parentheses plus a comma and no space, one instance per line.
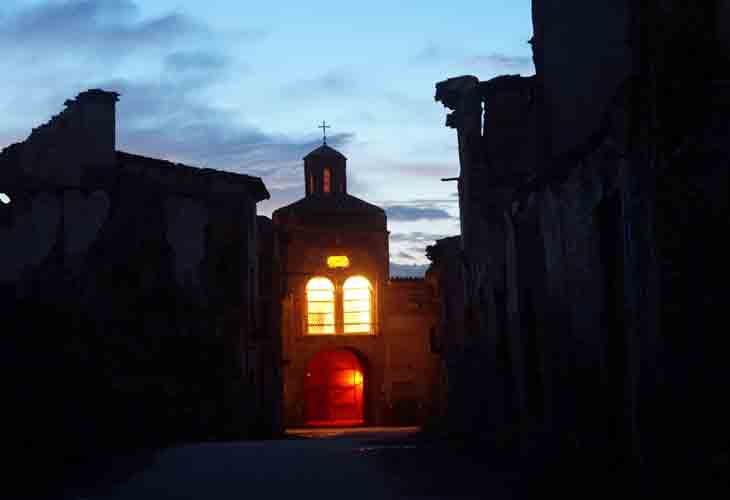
(355,343)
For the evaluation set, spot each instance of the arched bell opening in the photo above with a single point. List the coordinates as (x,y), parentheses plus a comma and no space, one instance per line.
(334,389)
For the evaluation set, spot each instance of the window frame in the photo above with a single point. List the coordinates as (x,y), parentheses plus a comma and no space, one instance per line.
(307,302)
(339,307)
(369,289)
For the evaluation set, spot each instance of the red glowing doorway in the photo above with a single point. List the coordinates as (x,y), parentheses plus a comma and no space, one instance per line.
(333,389)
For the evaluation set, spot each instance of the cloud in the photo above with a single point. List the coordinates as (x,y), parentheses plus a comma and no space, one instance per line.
(99,25)
(196,61)
(337,82)
(502,62)
(405,256)
(407,270)
(280,196)
(427,169)
(420,202)
(414,213)
(56,48)
(70,42)
(433,53)
(163,66)
(416,237)
(167,118)
(410,248)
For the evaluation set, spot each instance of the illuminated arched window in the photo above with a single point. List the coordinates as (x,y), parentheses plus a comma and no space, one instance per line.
(357,305)
(320,306)
(326,180)
(311,184)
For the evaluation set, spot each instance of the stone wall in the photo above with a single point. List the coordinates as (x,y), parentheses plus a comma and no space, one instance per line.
(589,277)
(412,368)
(582,53)
(268,340)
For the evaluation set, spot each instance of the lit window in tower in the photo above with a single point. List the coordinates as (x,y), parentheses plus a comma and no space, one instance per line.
(320,306)
(338,261)
(356,305)
(326,180)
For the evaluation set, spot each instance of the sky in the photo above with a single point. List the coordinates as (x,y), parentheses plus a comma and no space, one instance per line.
(242,86)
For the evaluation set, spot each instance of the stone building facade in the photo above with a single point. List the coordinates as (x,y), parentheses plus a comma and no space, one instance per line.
(130,294)
(584,287)
(355,342)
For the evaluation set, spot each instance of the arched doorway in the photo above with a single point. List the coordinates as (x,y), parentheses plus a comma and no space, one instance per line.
(333,389)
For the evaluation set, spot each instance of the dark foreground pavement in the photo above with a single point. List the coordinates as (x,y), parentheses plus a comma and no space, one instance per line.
(346,464)
(374,463)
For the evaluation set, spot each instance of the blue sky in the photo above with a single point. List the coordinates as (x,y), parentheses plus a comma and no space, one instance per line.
(242,86)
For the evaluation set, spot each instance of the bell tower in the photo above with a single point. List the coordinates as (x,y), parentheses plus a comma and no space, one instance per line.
(325,172)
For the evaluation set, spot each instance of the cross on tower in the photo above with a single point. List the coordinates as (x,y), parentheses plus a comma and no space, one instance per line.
(324,128)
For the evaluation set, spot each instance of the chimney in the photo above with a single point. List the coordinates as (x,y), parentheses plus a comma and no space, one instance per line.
(96,115)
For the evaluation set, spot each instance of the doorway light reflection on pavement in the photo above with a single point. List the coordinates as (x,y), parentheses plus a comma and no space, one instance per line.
(368,433)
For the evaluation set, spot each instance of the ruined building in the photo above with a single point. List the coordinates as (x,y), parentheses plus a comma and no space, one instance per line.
(131,294)
(584,290)
(356,345)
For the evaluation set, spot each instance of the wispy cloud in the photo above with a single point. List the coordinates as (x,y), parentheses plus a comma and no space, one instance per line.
(411,213)
(281,196)
(334,82)
(407,270)
(410,247)
(416,237)
(427,169)
(432,52)
(502,62)
(101,25)
(405,255)
(167,118)
(198,60)
(56,48)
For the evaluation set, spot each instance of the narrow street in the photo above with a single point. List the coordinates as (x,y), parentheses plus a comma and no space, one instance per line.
(373,463)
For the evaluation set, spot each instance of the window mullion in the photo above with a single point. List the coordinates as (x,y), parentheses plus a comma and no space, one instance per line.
(339,309)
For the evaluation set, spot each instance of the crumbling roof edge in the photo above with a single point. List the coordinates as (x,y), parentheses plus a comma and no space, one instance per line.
(256,184)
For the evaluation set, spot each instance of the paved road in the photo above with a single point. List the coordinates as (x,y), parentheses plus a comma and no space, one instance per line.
(346,464)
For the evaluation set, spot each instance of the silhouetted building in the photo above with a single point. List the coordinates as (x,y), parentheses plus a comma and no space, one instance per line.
(130,293)
(592,198)
(355,342)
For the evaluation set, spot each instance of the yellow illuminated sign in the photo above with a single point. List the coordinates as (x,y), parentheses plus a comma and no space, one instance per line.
(335,261)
